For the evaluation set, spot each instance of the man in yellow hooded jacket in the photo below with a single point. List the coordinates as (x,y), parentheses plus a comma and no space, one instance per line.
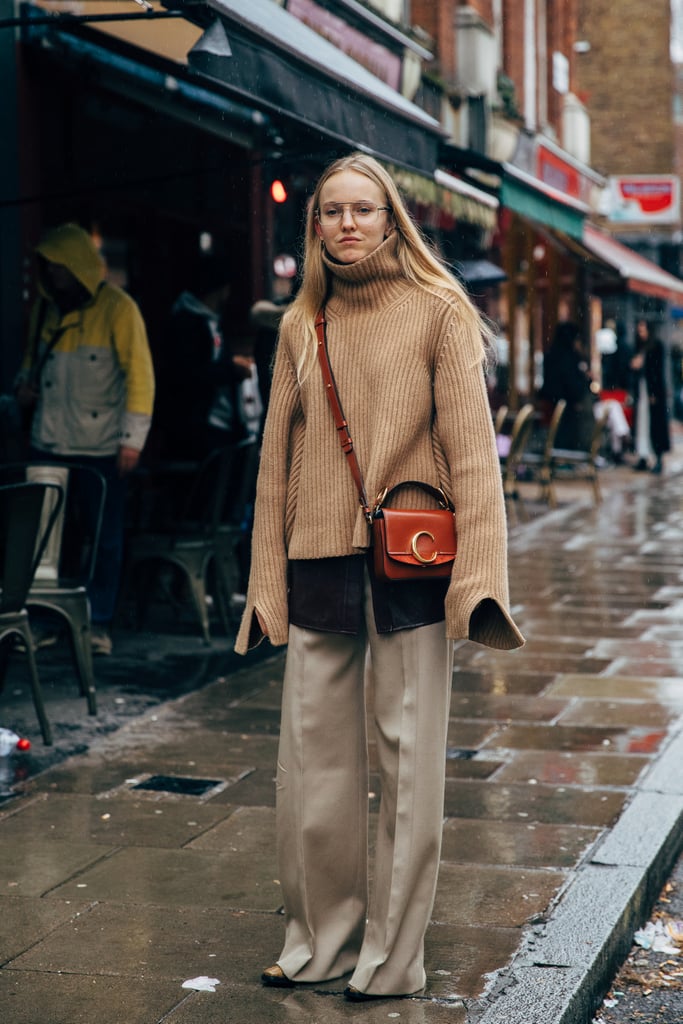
(88,373)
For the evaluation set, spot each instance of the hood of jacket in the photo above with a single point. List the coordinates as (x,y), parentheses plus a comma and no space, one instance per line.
(72,247)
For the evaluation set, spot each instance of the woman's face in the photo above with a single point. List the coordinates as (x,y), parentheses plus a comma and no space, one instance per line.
(351,238)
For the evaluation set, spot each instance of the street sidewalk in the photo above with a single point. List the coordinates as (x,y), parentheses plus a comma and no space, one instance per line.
(147,860)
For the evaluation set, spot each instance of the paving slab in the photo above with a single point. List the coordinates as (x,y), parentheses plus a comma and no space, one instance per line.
(511,843)
(26,921)
(501,682)
(504,897)
(505,707)
(80,999)
(179,878)
(34,867)
(111,821)
(560,767)
(562,737)
(648,715)
(547,803)
(160,942)
(666,689)
(285,1006)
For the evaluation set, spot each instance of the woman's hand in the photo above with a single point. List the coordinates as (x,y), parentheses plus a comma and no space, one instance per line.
(127,460)
(262,625)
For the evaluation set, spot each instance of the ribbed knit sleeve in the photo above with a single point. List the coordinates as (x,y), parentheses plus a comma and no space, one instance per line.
(276,491)
(465,431)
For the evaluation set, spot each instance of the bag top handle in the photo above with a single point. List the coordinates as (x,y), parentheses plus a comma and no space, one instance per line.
(436,492)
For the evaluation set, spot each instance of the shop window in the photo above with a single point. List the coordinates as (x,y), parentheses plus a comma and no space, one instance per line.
(476,123)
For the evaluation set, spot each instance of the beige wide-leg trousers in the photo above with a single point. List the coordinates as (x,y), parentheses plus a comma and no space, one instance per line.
(322,803)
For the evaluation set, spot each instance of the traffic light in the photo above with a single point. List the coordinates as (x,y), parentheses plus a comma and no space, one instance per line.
(278,191)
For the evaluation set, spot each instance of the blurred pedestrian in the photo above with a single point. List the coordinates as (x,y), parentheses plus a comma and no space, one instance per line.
(407,350)
(566,375)
(87,376)
(198,404)
(652,440)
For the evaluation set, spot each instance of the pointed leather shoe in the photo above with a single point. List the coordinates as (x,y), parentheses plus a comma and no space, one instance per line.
(353,995)
(275,977)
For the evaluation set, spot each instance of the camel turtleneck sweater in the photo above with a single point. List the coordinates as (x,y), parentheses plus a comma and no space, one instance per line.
(409,373)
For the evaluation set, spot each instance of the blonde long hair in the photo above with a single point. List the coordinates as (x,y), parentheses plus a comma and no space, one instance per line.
(418,261)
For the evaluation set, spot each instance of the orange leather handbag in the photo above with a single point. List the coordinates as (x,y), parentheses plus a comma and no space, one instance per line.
(411,544)
(408,544)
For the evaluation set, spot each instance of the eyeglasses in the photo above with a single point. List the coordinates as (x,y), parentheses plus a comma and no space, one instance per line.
(362,213)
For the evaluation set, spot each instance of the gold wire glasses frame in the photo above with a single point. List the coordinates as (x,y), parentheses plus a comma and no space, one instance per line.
(365,213)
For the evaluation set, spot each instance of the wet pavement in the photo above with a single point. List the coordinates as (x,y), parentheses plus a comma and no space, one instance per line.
(139,853)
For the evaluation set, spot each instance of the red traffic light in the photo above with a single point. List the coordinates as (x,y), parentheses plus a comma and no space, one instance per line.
(278,191)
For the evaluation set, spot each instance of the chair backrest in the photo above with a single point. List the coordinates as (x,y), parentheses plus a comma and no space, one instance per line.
(499,419)
(221,489)
(519,438)
(48,567)
(70,554)
(598,433)
(553,427)
(24,532)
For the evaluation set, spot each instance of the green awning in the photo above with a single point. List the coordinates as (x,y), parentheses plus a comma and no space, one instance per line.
(444,192)
(535,204)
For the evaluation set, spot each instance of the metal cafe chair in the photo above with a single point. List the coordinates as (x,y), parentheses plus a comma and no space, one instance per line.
(233,529)
(519,438)
(28,512)
(499,419)
(202,536)
(66,568)
(582,465)
(540,464)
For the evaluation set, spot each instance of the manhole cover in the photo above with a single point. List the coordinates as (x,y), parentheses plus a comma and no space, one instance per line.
(178,784)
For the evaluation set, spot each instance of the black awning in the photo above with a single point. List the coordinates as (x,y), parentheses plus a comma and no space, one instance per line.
(281,66)
(479,272)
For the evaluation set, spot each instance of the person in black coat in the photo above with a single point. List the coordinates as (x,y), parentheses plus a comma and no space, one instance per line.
(652,439)
(197,403)
(566,375)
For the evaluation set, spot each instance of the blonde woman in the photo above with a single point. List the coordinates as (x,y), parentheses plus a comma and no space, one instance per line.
(407,350)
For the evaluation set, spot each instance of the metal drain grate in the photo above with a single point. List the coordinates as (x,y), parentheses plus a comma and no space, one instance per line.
(459,754)
(178,784)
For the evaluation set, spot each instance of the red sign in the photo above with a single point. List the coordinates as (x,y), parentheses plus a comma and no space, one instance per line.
(558,173)
(644,199)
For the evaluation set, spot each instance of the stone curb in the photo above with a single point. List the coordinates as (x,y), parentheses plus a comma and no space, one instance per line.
(566,964)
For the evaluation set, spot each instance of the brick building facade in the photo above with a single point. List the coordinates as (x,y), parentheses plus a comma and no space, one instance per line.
(626,77)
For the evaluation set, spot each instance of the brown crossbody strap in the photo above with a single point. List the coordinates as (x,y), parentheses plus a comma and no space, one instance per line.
(338,413)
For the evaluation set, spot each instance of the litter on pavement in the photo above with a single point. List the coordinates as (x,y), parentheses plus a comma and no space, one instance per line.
(659,936)
(202,984)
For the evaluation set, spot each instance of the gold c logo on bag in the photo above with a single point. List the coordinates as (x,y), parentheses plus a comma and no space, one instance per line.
(416,553)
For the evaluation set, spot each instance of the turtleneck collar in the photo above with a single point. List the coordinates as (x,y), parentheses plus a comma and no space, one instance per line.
(372,282)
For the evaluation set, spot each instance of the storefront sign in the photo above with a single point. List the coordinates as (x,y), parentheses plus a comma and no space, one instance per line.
(643,199)
(376,58)
(560,174)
